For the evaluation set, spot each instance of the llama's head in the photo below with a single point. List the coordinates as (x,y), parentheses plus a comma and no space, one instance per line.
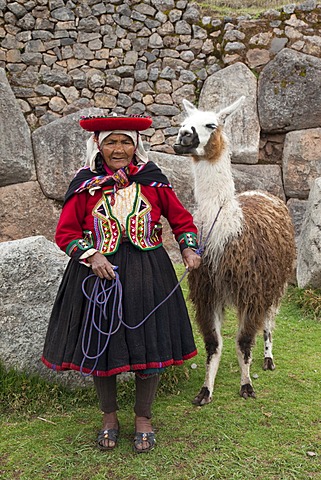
(202,131)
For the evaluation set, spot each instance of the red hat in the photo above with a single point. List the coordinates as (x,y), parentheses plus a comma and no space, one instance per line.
(109,123)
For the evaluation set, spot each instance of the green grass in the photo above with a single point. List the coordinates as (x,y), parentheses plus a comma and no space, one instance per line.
(48,432)
(240,7)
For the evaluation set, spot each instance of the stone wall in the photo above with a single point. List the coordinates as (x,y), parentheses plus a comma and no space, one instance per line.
(63,58)
(136,56)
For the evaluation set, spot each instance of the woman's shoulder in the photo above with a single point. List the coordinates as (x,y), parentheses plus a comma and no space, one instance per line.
(151,174)
(81,177)
(84,172)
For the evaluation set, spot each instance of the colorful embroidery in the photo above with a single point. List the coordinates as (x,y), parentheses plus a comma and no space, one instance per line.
(107,227)
(155,184)
(120,178)
(188,240)
(77,247)
(94,182)
(111,218)
(156,233)
(139,224)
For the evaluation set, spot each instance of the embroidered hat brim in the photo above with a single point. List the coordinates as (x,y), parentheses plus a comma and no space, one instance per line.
(98,124)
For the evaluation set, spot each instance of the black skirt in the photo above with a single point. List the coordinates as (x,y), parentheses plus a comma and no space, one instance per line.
(147,277)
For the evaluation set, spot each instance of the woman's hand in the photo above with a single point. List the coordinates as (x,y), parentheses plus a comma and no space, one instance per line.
(101,266)
(191,259)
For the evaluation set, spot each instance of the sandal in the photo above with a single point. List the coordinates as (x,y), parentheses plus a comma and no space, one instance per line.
(110,434)
(141,437)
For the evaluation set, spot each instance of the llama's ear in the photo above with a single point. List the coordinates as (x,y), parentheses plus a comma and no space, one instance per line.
(224,114)
(189,107)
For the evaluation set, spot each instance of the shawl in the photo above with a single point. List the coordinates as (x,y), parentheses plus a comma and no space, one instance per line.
(148,174)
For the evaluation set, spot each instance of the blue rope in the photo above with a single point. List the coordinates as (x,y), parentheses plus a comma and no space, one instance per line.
(98,300)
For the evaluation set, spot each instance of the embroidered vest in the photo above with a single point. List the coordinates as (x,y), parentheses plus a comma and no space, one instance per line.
(112,220)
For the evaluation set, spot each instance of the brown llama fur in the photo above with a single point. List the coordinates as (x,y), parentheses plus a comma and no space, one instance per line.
(215,147)
(254,268)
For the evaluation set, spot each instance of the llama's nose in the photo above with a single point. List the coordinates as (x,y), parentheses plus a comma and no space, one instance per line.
(186,141)
(186,136)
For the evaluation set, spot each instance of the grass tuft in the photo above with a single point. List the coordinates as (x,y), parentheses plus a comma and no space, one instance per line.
(236,7)
(22,393)
(308,300)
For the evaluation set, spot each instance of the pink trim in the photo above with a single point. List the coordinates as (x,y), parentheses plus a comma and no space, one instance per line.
(115,371)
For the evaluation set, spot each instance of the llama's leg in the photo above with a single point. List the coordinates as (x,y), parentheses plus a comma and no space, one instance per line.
(268,339)
(244,343)
(211,330)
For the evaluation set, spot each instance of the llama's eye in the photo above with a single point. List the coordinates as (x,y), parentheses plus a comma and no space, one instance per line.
(212,126)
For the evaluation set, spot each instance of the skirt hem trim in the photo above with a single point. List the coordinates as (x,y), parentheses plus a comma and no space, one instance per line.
(126,368)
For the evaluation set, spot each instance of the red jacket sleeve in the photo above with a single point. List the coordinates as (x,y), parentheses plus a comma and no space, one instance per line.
(69,232)
(180,220)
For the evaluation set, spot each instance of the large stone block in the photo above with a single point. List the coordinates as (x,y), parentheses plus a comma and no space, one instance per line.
(259,177)
(179,172)
(309,247)
(301,161)
(289,93)
(60,150)
(297,209)
(16,157)
(243,129)
(30,273)
(25,212)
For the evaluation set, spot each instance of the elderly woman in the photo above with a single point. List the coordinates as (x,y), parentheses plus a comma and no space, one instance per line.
(110,227)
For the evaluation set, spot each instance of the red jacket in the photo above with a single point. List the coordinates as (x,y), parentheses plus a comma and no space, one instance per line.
(101,220)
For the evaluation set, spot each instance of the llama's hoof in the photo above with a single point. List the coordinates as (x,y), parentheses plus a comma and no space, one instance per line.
(268,364)
(203,398)
(247,391)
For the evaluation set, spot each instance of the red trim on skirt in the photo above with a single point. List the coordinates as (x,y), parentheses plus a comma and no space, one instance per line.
(115,371)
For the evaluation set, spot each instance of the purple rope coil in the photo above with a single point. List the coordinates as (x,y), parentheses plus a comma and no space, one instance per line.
(97,301)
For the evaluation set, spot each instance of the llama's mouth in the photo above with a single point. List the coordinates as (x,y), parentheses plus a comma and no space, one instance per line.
(183,149)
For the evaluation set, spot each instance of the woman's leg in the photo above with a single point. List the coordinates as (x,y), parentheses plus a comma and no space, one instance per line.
(145,393)
(106,388)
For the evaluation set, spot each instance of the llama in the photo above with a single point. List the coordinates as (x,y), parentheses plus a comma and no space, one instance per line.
(249,254)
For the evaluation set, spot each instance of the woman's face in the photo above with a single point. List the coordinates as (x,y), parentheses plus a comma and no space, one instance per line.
(117,150)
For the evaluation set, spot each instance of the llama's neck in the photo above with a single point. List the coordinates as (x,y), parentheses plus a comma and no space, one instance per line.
(214,190)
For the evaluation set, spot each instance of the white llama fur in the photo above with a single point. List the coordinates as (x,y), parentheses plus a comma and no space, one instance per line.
(214,178)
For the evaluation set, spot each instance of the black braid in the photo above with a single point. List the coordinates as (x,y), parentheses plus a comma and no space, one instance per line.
(99,163)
